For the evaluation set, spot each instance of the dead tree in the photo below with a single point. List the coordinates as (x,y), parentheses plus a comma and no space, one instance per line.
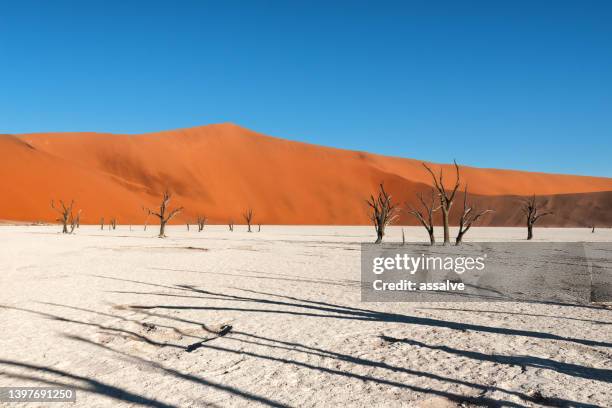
(201,222)
(468,217)
(426,217)
(148,213)
(403,237)
(187,226)
(445,196)
(383,212)
(248,217)
(65,215)
(112,224)
(75,221)
(530,209)
(102,223)
(165,214)
(259,228)
(230,225)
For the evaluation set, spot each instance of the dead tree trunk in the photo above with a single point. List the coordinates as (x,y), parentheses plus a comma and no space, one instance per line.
(258,227)
(248,217)
(148,213)
(530,209)
(165,214)
(65,214)
(201,223)
(383,212)
(426,219)
(230,225)
(75,221)
(446,197)
(112,224)
(102,223)
(468,217)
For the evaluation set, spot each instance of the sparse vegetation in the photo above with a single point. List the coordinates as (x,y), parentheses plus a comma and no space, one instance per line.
(201,222)
(469,216)
(426,217)
(530,209)
(445,196)
(383,212)
(165,214)
(248,217)
(66,216)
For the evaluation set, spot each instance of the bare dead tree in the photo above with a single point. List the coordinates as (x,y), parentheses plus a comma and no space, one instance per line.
(75,221)
(593,230)
(383,212)
(426,217)
(258,227)
(230,224)
(403,237)
(530,209)
(165,214)
(112,224)
(445,196)
(468,217)
(65,214)
(187,223)
(102,223)
(248,217)
(201,222)
(148,213)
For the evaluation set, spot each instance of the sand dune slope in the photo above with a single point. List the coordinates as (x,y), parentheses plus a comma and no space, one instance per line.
(219,170)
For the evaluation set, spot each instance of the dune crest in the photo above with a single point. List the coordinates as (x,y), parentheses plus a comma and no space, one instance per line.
(219,170)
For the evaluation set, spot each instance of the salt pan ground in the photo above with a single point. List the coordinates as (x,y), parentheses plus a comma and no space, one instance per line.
(112,314)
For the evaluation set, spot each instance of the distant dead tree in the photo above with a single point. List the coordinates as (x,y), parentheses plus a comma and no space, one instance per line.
(258,227)
(66,216)
(102,223)
(468,217)
(248,217)
(383,212)
(147,211)
(201,222)
(446,197)
(112,224)
(230,224)
(187,223)
(426,217)
(165,214)
(403,237)
(530,209)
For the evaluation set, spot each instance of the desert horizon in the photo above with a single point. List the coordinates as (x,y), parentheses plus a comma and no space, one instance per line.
(316,204)
(220,170)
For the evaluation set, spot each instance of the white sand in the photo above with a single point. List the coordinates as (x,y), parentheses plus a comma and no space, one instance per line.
(74,307)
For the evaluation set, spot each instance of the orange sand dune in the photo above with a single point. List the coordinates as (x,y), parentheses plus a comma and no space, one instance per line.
(219,170)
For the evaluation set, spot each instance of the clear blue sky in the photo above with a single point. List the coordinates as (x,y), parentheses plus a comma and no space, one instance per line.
(524,85)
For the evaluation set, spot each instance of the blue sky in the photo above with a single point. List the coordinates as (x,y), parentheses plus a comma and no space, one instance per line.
(523,85)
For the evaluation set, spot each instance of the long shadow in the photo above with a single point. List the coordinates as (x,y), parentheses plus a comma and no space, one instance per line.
(345,312)
(574,370)
(289,346)
(318,352)
(478,400)
(93,386)
(298,280)
(516,313)
(123,332)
